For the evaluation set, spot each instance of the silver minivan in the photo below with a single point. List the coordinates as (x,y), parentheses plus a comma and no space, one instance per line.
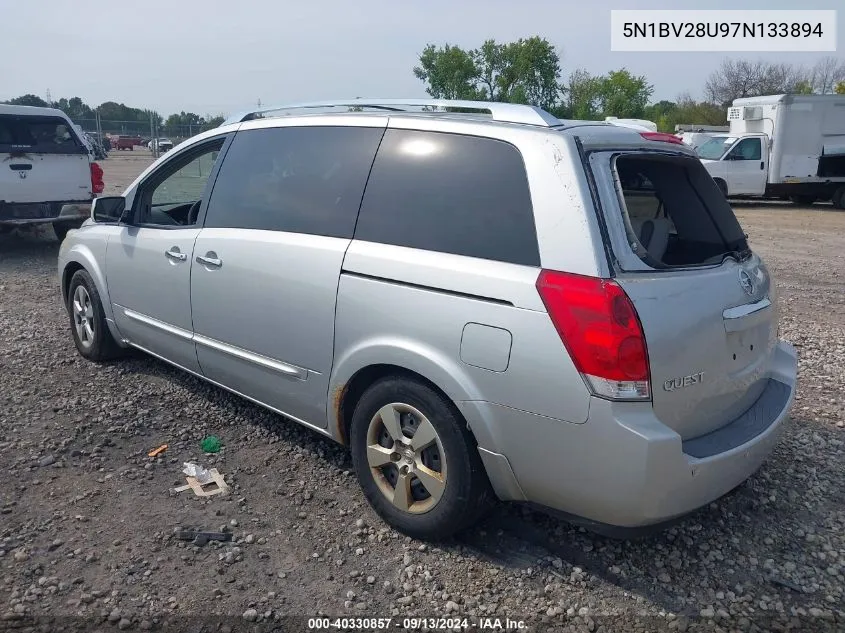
(482,301)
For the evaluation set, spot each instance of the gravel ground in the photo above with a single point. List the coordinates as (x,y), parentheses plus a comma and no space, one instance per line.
(86,518)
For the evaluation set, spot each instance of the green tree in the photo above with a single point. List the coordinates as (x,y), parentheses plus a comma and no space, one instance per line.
(581,95)
(525,71)
(624,95)
(840,88)
(214,121)
(449,72)
(803,87)
(29,100)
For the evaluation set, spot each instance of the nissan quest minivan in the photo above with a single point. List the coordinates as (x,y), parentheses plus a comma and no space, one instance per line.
(480,300)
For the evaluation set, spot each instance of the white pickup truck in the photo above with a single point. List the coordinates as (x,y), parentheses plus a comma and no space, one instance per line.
(47,172)
(782,146)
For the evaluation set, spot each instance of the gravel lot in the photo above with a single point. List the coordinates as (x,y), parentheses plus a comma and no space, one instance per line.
(87,517)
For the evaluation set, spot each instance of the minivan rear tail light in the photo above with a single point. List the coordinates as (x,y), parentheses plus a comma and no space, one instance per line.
(97,184)
(663,137)
(600,328)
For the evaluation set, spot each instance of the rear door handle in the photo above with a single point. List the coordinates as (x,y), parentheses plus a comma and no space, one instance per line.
(174,253)
(762,165)
(210,259)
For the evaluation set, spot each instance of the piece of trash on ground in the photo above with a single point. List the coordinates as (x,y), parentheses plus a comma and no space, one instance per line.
(204,482)
(196,471)
(210,444)
(200,537)
(157,451)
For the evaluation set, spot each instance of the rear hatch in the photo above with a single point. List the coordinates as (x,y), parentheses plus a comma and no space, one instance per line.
(704,300)
(42,160)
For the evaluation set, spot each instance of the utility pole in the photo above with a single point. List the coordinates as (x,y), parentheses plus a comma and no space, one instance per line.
(49,98)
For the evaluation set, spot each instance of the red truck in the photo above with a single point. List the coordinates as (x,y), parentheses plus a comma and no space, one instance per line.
(125,142)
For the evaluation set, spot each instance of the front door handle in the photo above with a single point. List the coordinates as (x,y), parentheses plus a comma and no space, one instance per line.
(174,253)
(210,259)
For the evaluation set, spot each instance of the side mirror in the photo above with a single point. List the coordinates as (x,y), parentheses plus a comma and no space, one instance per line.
(108,209)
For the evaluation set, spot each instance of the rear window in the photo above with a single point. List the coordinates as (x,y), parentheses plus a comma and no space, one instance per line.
(675,214)
(450,193)
(37,135)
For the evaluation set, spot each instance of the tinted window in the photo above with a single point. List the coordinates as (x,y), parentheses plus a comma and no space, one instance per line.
(452,194)
(297,179)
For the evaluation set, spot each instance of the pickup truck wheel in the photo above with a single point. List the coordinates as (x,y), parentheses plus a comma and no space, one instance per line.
(415,460)
(839,198)
(805,200)
(91,334)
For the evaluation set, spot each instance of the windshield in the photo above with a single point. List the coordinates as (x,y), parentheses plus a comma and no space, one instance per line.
(38,135)
(715,148)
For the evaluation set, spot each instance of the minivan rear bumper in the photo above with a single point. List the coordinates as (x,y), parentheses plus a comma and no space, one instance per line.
(623,467)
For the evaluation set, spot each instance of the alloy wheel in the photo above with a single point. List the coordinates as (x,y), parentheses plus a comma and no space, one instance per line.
(406,458)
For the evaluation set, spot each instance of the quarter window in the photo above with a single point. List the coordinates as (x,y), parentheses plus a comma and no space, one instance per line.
(450,193)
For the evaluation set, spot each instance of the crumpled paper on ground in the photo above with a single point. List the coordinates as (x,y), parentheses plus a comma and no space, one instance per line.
(202,475)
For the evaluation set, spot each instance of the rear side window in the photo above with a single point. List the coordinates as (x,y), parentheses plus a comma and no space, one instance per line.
(38,135)
(450,193)
(676,215)
(296,179)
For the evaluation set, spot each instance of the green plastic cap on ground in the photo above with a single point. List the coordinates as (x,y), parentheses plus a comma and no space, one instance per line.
(211,444)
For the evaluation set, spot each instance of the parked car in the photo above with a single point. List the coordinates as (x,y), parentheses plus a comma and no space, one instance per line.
(162,144)
(125,142)
(478,306)
(782,146)
(47,172)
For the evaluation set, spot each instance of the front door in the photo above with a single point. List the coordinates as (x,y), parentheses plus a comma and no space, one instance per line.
(148,263)
(267,262)
(746,163)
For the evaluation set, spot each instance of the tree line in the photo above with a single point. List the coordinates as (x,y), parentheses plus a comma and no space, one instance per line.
(118,117)
(529,71)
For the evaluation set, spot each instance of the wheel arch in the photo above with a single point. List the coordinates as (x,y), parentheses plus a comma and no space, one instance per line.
(363,367)
(79,257)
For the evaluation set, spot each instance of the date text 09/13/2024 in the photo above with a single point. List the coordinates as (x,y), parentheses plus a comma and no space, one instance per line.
(411,624)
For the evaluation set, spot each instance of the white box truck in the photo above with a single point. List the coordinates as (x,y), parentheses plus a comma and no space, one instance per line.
(781,146)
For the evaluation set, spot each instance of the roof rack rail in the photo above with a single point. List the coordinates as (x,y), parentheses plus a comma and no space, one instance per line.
(506,112)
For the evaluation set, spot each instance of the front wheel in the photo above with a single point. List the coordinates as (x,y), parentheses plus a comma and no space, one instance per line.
(91,334)
(416,461)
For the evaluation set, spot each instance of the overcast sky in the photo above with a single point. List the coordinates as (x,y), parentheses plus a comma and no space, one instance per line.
(215,56)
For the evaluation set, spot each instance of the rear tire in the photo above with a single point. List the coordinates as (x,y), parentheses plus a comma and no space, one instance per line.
(88,326)
(407,483)
(839,198)
(803,200)
(61,229)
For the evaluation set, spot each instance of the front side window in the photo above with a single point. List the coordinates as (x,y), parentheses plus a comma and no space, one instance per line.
(450,193)
(295,179)
(746,149)
(172,196)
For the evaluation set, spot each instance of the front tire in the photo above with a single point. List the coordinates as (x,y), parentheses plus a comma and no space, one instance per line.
(88,326)
(723,186)
(416,461)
